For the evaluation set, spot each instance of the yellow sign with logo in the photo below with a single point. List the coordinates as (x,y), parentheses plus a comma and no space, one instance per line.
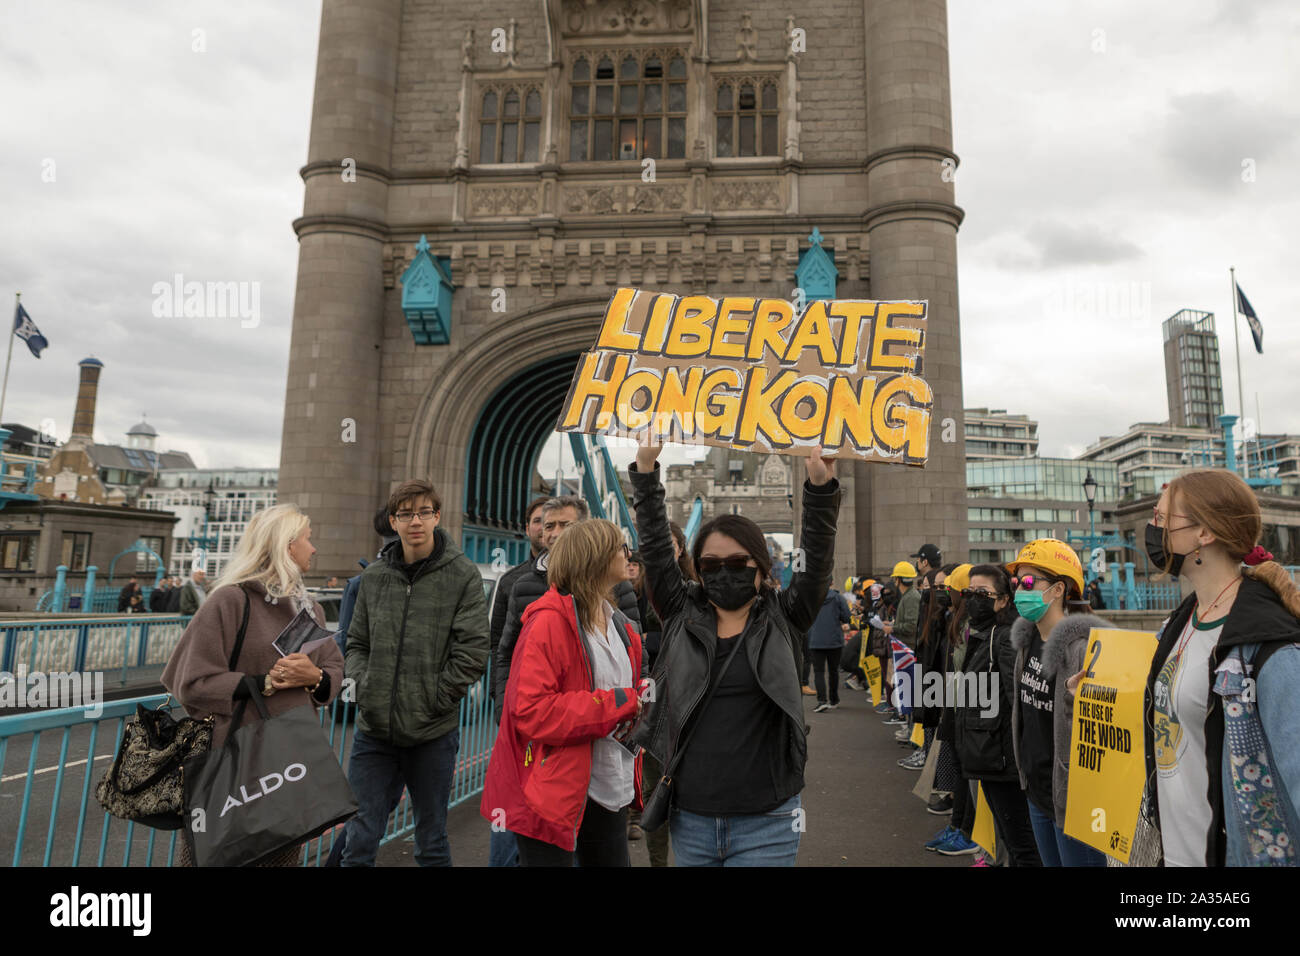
(1107,757)
(871,664)
(982,832)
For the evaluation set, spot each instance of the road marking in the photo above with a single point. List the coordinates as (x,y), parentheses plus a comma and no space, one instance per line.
(37,773)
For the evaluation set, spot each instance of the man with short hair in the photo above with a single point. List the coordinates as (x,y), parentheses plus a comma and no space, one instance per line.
(417,641)
(535,529)
(195,592)
(158,599)
(929,558)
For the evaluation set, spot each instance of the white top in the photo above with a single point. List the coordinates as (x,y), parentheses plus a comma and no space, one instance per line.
(1182,696)
(612,765)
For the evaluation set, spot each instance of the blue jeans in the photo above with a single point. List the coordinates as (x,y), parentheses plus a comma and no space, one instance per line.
(378,769)
(756,839)
(503,849)
(1057,849)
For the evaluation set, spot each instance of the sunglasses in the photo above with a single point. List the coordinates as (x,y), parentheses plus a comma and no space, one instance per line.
(981,592)
(1026,581)
(737,562)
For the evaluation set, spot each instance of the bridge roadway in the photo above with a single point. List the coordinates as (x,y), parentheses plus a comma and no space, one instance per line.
(861,811)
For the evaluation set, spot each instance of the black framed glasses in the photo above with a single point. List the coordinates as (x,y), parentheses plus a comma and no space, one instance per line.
(736,562)
(627,552)
(404,517)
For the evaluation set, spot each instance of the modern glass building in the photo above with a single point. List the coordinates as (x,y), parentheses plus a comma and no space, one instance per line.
(213,503)
(1150,453)
(1192,374)
(1012,502)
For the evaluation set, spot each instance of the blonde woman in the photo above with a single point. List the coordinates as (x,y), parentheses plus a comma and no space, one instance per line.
(262,585)
(561,778)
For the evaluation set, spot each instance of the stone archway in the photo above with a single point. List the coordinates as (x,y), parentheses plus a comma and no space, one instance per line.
(447,414)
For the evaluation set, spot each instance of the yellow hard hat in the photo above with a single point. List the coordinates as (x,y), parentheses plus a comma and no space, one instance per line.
(959,580)
(868,582)
(903,570)
(848,583)
(1055,557)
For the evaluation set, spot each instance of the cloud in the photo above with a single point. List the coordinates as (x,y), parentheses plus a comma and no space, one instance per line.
(1210,136)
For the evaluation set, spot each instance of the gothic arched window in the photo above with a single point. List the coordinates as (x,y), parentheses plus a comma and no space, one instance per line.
(747,118)
(510,126)
(633,110)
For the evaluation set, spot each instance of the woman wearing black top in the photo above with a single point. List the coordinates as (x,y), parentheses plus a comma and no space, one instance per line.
(735,784)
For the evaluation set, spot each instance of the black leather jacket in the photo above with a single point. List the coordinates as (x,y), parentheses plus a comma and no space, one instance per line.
(685,662)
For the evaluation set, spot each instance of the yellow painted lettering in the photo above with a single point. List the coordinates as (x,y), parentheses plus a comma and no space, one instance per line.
(812,393)
(813,331)
(899,426)
(613,331)
(690,333)
(883,334)
(717,409)
(735,317)
(758,407)
(638,416)
(771,318)
(587,385)
(656,329)
(855,315)
(677,400)
(849,411)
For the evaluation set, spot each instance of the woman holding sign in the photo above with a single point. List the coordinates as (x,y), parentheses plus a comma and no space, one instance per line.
(1050,643)
(727,713)
(1222,711)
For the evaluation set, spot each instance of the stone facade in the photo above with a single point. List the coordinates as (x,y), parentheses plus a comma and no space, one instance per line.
(862,151)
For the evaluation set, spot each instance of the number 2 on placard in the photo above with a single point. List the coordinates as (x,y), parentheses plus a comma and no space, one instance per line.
(1096,653)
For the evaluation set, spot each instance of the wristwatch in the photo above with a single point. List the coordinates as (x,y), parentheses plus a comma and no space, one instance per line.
(267,688)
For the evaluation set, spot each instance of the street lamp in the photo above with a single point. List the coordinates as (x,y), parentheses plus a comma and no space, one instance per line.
(1090,492)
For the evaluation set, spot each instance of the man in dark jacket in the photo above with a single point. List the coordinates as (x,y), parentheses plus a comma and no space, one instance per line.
(501,601)
(158,599)
(174,597)
(417,641)
(124,596)
(826,641)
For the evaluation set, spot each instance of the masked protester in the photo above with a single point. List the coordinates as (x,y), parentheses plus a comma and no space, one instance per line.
(1222,712)
(727,718)
(951,793)
(1050,642)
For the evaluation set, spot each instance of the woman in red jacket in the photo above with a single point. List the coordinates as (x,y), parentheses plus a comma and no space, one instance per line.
(560,777)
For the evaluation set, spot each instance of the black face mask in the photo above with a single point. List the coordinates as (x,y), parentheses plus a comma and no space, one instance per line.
(942,599)
(979,609)
(1155,542)
(730,589)
(925,598)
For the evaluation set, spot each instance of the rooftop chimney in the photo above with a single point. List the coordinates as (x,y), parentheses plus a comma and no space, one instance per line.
(83,419)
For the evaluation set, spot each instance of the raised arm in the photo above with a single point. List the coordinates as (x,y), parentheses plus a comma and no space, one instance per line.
(665,586)
(821,508)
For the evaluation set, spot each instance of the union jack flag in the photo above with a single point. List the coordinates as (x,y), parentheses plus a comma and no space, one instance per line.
(904,659)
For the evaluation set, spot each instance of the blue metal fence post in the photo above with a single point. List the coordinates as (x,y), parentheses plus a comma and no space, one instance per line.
(1129,589)
(60,588)
(88,602)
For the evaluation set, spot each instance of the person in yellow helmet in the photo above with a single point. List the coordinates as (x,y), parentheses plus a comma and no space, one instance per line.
(1049,642)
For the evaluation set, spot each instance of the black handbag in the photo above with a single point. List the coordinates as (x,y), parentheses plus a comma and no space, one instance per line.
(270,786)
(145,784)
(657,808)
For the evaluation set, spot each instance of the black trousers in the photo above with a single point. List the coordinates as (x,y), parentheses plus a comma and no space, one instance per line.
(602,841)
(963,805)
(826,669)
(1011,815)
(807,660)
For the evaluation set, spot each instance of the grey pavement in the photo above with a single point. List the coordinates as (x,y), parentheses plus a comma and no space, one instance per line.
(860,807)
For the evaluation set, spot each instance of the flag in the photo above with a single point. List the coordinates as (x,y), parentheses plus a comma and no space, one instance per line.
(26,330)
(1256,327)
(904,659)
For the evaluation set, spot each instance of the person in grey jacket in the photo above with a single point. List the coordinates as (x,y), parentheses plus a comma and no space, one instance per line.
(1050,645)
(826,642)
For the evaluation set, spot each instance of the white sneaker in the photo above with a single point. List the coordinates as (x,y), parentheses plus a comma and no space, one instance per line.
(821,708)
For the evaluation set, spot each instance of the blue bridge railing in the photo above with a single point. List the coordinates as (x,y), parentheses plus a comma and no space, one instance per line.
(51,762)
(112,645)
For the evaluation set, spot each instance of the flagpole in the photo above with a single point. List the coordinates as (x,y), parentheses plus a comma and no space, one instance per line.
(1241,401)
(4,389)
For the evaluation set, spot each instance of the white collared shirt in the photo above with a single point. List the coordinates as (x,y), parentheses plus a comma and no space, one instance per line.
(612,765)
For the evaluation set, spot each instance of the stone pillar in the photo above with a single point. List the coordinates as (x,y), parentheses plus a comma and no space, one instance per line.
(334,354)
(912,225)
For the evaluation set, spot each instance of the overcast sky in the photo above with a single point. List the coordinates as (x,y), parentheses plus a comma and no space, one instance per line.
(1102,152)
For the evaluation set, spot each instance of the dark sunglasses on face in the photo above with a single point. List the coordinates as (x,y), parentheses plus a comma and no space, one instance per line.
(737,562)
(981,592)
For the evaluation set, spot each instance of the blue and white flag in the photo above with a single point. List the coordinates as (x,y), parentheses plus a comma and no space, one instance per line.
(1256,327)
(26,330)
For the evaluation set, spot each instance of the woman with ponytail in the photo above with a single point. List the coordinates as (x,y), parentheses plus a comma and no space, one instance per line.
(1222,712)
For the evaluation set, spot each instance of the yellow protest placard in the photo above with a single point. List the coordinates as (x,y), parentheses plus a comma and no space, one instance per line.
(871,664)
(751,374)
(918,735)
(983,833)
(1107,757)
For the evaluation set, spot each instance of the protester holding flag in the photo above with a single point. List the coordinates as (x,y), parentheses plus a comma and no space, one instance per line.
(1050,639)
(727,721)
(1222,712)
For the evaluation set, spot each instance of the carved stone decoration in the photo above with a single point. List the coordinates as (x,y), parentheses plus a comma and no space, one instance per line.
(467,51)
(511,52)
(729,194)
(624,199)
(503,201)
(746,38)
(618,17)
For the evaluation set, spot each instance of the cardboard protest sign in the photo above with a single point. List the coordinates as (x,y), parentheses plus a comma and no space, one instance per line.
(751,374)
(983,833)
(1107,756)
(875,679)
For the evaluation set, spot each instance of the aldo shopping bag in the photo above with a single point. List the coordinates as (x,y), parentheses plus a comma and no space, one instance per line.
(274,784)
